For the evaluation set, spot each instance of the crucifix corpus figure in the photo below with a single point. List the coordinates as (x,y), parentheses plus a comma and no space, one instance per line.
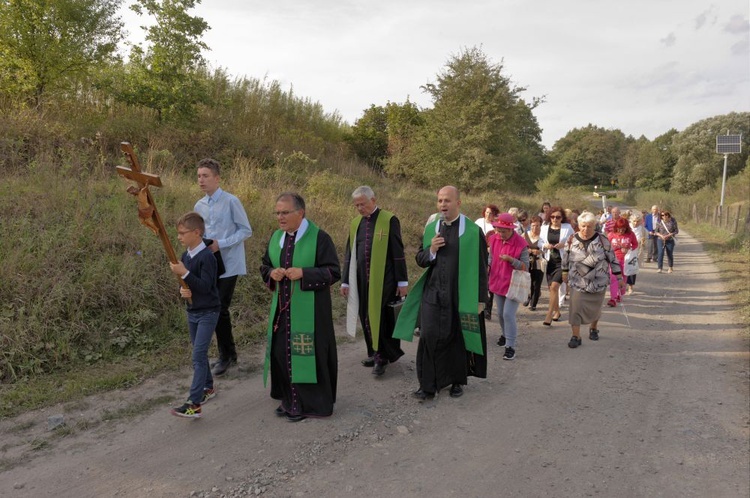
(147,212)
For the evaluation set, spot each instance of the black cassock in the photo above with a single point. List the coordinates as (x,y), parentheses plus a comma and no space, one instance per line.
(389,349)
(314,400)
(442,359)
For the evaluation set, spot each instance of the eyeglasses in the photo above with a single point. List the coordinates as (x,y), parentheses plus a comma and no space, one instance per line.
(521,219)
(555,217)
(665,216)
(284,213)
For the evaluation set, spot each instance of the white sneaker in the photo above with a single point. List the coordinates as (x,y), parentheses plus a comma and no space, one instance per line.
(658,271)
(669,271)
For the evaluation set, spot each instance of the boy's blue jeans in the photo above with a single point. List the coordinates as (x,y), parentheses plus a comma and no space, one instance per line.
(201,325)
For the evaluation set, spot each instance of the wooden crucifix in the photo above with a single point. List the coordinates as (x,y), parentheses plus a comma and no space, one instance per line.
(147,212)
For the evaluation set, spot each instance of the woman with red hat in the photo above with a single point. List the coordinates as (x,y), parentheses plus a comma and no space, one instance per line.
(508,252)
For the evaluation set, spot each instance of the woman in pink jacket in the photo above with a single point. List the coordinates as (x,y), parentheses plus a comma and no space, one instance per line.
(508,251)
(623,240)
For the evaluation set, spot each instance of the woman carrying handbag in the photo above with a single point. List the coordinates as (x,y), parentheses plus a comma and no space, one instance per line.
(666,231)
(509,253)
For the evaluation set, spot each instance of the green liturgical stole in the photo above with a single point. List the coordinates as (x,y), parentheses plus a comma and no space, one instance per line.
(377,268)
(302,337)
(468,289)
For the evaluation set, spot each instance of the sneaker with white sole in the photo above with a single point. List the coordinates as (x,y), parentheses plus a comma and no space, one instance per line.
(208,394)
(510,353)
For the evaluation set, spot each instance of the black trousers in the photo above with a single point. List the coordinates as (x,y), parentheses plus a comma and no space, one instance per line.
(224,337)
(537,276)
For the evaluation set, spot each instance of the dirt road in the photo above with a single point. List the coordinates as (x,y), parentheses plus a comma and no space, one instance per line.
(659,407)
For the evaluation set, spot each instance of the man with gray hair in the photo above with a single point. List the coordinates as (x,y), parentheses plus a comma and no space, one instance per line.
(373,277)
(651,222)
(300,266)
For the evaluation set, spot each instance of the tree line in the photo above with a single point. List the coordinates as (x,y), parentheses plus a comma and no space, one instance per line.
(63,59)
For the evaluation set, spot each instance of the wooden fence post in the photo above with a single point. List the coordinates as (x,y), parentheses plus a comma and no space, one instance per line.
(737,220)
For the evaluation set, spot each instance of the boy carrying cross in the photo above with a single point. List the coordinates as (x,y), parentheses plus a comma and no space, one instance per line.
(198,268)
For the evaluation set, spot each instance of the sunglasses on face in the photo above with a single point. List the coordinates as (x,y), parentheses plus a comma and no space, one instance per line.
(555,217)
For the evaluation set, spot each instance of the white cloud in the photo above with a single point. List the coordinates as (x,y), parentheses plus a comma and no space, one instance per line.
(737,24)
(669,40)
(596,61)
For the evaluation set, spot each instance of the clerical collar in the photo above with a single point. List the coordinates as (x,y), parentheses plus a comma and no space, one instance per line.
(373,212)
(298,234)
(449,223)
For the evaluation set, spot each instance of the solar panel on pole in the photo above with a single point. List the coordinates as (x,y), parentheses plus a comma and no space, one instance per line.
(728,144)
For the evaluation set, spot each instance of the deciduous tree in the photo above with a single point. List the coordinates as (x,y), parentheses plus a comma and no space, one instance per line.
(168,75)
(593,155)
(479,134)
(698,165)
(47,45)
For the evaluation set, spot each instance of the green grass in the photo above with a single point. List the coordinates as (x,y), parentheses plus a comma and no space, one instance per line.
(731,254)
(72,386)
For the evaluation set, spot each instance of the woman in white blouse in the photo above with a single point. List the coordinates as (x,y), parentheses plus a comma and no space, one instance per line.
(555,234)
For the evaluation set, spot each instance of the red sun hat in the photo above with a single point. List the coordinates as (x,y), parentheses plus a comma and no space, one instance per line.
(505,220)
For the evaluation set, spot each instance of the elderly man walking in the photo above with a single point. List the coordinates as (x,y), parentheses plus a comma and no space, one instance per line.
(374,276)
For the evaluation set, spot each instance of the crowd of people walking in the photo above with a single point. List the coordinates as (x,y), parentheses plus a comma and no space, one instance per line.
(499,261)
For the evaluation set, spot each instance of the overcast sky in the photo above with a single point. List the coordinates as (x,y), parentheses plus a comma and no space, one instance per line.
(641,66)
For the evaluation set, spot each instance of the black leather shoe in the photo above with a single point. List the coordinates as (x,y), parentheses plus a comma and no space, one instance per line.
(379,368)
(422,395)
(221,368)
(369,362)
(279,411)
(295,418)
(456,391)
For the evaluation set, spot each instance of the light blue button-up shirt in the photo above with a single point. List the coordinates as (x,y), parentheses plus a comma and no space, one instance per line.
(227,223)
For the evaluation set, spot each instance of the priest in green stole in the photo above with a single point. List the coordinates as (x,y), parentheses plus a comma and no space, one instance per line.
(299,266)
(452,293)
(374,276)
